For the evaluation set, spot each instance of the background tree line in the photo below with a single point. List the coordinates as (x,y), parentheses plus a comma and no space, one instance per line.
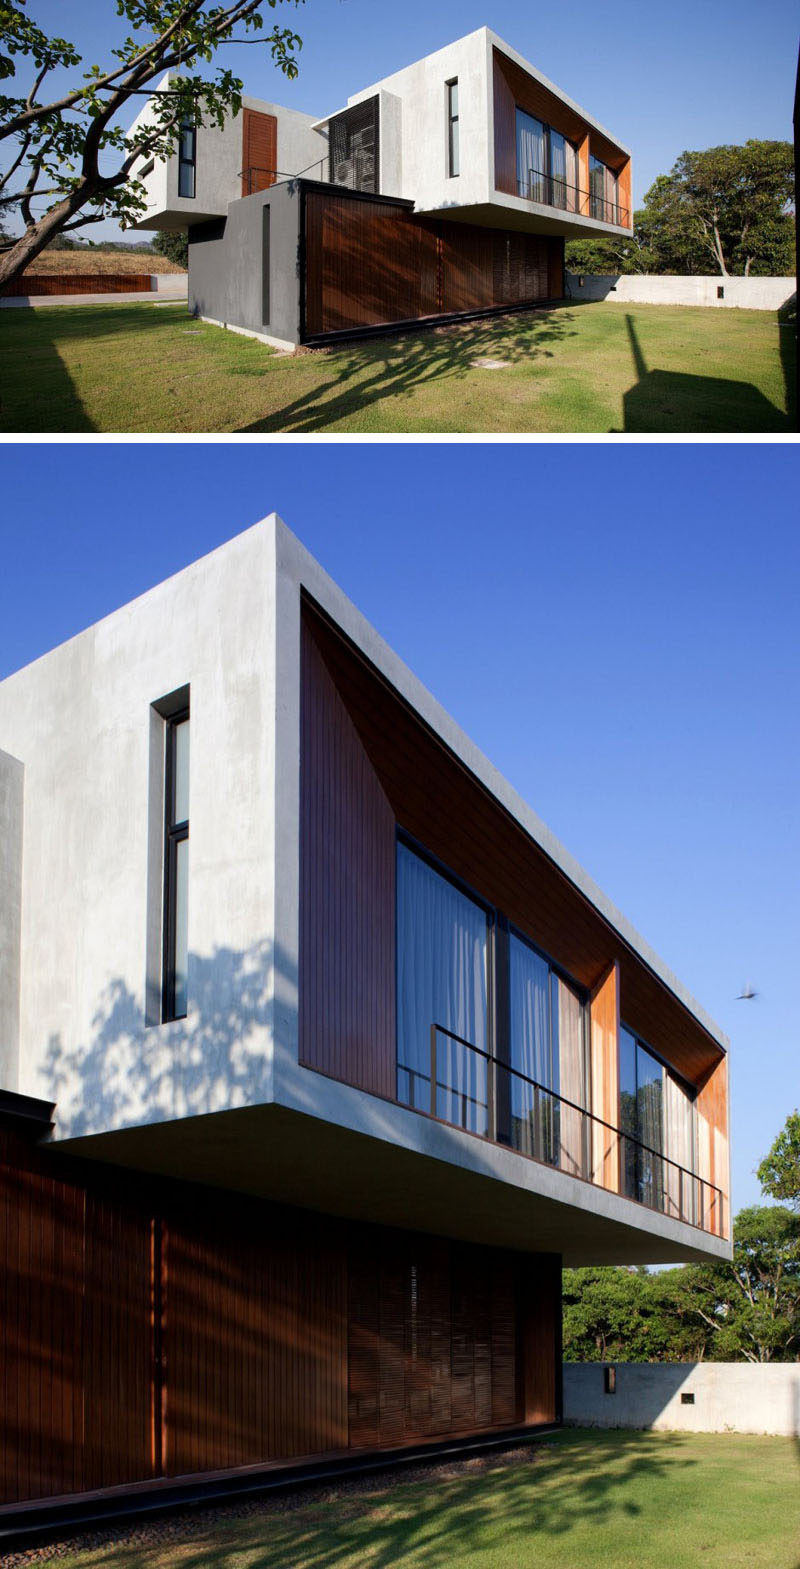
(748,1310)
(728,210)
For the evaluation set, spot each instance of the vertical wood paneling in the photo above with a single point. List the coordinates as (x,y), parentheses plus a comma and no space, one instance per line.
(604,1015)
(712,1140)
(347,881)
(259,151)
(540,1338)
(514,88)
(118,1372)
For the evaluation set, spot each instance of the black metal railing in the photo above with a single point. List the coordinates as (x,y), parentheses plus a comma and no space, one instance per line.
(256,179)
(550,190)
(489,1098)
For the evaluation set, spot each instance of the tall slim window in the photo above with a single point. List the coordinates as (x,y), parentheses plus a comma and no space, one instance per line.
(597,190)
(187,158)
(531,158)
(453,148)
(548,1052)
(442,996)
(176,867)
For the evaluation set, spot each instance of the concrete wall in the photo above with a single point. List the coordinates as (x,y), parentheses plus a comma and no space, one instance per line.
(738,1397)
(227,260)
(81,721)
(755,294)
(12,776)
(219,165)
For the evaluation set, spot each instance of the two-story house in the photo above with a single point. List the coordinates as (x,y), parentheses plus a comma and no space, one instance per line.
(446,189)
(319,1055)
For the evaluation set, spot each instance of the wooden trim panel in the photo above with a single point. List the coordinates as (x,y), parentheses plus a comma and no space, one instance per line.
(604,1021)
(347,905)
(280,1333)
(712,1141)
(259,151)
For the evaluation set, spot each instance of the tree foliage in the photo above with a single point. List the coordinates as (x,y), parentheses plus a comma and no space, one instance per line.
(779,1172)
(174,244)
(745,1310)
(726,210)
(69,163)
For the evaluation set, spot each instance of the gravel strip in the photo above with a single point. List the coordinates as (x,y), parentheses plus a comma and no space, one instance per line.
(190,1524)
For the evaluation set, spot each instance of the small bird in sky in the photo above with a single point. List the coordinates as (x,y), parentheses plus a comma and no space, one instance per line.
(746,993)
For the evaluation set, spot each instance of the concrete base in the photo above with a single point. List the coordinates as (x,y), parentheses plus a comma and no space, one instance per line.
(284,345)
(753,294)
(728,1397)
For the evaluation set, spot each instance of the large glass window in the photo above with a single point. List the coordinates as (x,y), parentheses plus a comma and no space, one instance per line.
(531,158)
(176,868)
(548,1059)
(657,1115)
(442,996)
(453,139)
(602,191)
(187,159)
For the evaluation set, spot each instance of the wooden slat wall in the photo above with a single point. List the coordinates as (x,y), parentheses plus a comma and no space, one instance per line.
(347,902)
(604,1019)
(263,1311)
(370,262)
(259,151)
(540,1333)
(32,284)
(514,88)
(712,1138)
(433,1340)
(440,803)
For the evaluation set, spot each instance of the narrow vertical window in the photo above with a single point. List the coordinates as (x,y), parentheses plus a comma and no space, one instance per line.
(176,867)
(453,149)
(187,158)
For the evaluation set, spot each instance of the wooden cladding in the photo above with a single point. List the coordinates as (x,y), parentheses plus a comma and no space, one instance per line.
(156,1329)
(374,262)
(31,284)
(259,151)
(347,904)
(442,805)
(712,1144)
(540,1329)
(433,1341)
(604,1021)
(515,88)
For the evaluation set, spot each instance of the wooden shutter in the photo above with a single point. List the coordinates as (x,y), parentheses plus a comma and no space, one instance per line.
(259,151)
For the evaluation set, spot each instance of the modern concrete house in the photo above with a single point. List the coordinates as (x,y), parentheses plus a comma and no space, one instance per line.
(446,189)
(320,1055)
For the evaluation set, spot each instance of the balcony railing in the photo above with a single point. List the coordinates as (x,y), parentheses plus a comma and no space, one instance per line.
(468,1088)
(254,179)
(551,191)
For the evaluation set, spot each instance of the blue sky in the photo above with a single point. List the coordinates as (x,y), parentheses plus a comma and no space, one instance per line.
(663,79)
(616,628)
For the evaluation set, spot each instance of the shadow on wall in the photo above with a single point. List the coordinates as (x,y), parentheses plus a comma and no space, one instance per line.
(676,401)
(400,365)
(215,1058)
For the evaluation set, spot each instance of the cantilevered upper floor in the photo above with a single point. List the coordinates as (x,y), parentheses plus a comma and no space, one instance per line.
(275,924)
(473,131)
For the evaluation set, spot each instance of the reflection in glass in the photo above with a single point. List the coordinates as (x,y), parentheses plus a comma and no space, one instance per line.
(180,811)
(181,953)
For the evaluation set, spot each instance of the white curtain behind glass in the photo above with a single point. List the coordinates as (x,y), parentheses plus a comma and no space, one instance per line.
(558,168)
(572,1075)
(679,1146)
(531,1051)
(441,979)
(530,157)
(572,178)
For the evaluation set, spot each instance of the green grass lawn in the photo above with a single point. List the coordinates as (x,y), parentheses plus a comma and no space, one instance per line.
(580,1501)
(600,367)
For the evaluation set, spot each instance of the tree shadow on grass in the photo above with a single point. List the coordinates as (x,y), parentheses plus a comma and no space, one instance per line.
(363,374)
(467,1508)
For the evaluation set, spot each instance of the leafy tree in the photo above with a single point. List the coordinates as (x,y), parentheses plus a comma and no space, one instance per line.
(779,1172)
(174,244)
(750,1309)
(727,208)
(60,146)
(620,254)
(626,1315)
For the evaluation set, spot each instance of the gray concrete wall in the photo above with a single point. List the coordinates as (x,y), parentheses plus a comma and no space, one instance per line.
(81,721)
(11,806)
(729,1397)
(170,285)
(754,294)
(226,261)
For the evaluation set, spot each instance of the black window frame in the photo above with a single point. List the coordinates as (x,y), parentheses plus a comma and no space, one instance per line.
(175,833)
(187,163)
(547,174)
(453,143)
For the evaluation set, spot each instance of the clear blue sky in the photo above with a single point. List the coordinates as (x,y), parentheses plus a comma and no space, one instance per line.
(692,74)
(616,628)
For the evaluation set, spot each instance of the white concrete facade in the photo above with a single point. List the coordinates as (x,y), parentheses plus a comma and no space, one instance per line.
(753,294)
(689,1397)
(84,767)
(219,165)
(413,139)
